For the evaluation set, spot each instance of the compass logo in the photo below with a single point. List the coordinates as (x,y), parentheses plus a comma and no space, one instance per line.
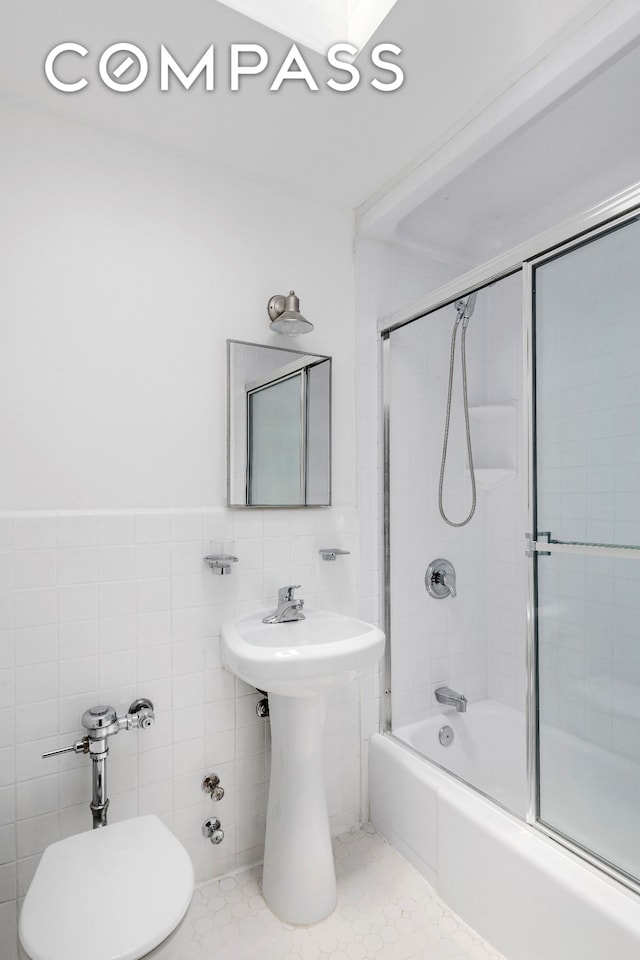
(124,67)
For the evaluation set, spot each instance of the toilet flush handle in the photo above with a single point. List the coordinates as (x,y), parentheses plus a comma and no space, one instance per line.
(80,746)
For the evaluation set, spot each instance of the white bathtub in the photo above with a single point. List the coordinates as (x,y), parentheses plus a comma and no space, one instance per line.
(488,749)
(528,896)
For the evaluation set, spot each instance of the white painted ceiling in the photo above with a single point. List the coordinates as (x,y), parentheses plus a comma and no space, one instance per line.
(579,152)
(337,147)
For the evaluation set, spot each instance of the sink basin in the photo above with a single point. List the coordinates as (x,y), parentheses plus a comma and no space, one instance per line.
(297,663)
(302,657)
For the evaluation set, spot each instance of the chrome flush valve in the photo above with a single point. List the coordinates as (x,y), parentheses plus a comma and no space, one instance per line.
(141,714)
(102,722)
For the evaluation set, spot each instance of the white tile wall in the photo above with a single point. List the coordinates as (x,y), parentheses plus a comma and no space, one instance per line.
(589,391)
(475,642)
(106,607)
(387,278)
(506,506)
(434,642)
(589,477)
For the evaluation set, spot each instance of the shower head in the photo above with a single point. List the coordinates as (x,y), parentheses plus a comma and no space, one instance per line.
(471,302)
(464,308)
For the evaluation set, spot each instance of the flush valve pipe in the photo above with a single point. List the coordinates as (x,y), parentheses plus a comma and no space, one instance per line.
(102,722)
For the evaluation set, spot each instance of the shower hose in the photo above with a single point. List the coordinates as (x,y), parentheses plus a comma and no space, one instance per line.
(461,308)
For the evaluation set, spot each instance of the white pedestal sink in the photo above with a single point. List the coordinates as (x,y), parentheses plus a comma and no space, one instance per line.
(297,663)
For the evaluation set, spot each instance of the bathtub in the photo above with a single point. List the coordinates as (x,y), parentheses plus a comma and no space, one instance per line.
(528,896)
(488,749)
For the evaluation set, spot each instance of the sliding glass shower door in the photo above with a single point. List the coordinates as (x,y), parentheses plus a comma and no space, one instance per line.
(586,326)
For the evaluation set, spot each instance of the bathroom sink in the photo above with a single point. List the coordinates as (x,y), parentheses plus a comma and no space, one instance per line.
(299,658)
(298,662)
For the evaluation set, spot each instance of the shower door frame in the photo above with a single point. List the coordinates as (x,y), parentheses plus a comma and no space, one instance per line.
(617,211)
(536,548)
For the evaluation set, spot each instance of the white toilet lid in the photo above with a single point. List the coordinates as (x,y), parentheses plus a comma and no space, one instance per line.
(109,894)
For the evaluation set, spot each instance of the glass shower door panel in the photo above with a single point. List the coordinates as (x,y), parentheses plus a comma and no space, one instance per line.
(587,308)
(589,703)
(587,443)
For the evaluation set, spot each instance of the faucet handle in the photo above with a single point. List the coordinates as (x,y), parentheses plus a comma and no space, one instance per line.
(286,593)
(448,579)
(440,579)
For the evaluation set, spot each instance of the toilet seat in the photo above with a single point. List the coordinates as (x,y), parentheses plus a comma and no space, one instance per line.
(109,894)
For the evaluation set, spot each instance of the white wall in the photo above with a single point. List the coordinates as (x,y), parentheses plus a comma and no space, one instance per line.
(125,271)
(506,506)
(434,642)
(479,644)
(474,642)
(388,279)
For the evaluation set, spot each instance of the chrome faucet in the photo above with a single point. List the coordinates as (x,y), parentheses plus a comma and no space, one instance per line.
(452,698)
(289,608)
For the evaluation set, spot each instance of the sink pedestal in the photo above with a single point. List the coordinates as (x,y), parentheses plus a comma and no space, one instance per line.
(298,662)
(299,880)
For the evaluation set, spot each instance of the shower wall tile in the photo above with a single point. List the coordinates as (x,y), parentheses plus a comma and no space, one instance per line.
(589,395)
(112,606)
(388,278)
(506,582)
(588,346)
(475,642)
(589,658)
(430,630)
(35,531)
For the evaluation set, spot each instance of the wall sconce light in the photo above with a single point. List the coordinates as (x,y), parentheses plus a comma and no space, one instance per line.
(285,316)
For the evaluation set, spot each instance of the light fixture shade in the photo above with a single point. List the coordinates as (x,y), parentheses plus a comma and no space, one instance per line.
(285,315)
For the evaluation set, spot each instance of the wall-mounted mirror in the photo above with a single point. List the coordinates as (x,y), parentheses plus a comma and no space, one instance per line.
(278,427)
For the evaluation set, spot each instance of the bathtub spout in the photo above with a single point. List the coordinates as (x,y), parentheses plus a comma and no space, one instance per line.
(452,698)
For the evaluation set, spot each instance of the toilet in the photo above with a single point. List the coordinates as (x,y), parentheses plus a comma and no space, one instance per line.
(109,894)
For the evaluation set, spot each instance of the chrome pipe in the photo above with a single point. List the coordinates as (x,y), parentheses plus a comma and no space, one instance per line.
(100,802)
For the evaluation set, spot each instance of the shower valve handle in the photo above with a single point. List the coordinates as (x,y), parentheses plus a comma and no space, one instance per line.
(447,580)
(440,579)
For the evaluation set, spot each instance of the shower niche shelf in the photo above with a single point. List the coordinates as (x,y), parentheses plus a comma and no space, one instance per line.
(493,436)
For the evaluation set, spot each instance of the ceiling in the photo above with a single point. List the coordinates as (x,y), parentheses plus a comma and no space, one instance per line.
(582,150)
(338,147)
